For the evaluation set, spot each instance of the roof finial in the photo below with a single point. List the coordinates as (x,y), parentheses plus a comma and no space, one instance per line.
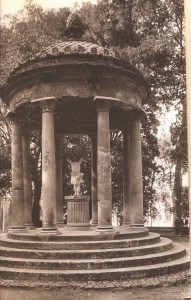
(74,27)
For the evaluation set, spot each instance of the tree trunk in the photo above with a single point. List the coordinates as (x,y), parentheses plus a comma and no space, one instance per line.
(178,188)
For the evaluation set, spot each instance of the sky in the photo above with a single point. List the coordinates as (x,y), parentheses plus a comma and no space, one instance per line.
(13,6)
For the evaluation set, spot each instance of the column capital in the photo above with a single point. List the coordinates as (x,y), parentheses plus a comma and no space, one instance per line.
(47,105)
(104,103)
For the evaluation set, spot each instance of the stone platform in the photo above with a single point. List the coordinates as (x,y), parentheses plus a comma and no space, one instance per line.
(84,256)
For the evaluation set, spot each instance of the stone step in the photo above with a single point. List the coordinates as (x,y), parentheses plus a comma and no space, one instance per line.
(87,264)
(164,245)
(152,238)
(97,274)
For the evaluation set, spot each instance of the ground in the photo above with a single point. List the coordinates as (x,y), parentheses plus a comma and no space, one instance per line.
(180,291)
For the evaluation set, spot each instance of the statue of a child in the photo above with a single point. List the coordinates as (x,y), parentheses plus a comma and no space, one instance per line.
(76,175)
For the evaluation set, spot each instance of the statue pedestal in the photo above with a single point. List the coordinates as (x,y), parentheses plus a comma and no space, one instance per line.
(78,212)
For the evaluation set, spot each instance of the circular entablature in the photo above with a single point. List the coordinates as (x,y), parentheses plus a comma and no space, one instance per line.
(73,116)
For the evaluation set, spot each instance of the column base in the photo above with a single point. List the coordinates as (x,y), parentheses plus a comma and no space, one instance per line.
(105,228)
(126,224)
(30,226)
(18,229)
(138,227)
(93,223)
(50,231)
(60,224)
(105,232)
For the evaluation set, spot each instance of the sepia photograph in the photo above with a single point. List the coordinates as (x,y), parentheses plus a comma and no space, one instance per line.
(95,149)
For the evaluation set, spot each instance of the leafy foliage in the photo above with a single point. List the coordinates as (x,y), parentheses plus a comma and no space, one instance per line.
(5,151)
(29,31)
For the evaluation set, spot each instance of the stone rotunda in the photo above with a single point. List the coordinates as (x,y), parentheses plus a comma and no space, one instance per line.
(76,87)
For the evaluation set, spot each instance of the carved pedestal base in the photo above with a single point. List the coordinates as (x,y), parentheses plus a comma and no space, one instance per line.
(78,212)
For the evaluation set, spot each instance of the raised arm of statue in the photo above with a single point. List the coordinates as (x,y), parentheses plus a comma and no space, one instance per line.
(68,160)
(80,160)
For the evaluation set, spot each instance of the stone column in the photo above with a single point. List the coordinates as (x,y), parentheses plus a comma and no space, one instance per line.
(59,181)
(17,201)
(104,190)
(48,169)
(136,173)
(126,178)
(27,179)
(94,221)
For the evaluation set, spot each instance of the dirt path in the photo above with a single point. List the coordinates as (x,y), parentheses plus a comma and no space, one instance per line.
(179,292)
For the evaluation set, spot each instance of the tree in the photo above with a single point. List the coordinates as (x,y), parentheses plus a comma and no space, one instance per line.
(5,151)
(147,33)
(28,32)
(179,156)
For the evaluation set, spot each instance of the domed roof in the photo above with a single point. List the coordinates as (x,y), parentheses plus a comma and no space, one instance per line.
(74,47)
(74,31)
(73,51)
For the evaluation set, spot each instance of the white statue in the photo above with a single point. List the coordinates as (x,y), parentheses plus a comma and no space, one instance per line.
(76,175)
